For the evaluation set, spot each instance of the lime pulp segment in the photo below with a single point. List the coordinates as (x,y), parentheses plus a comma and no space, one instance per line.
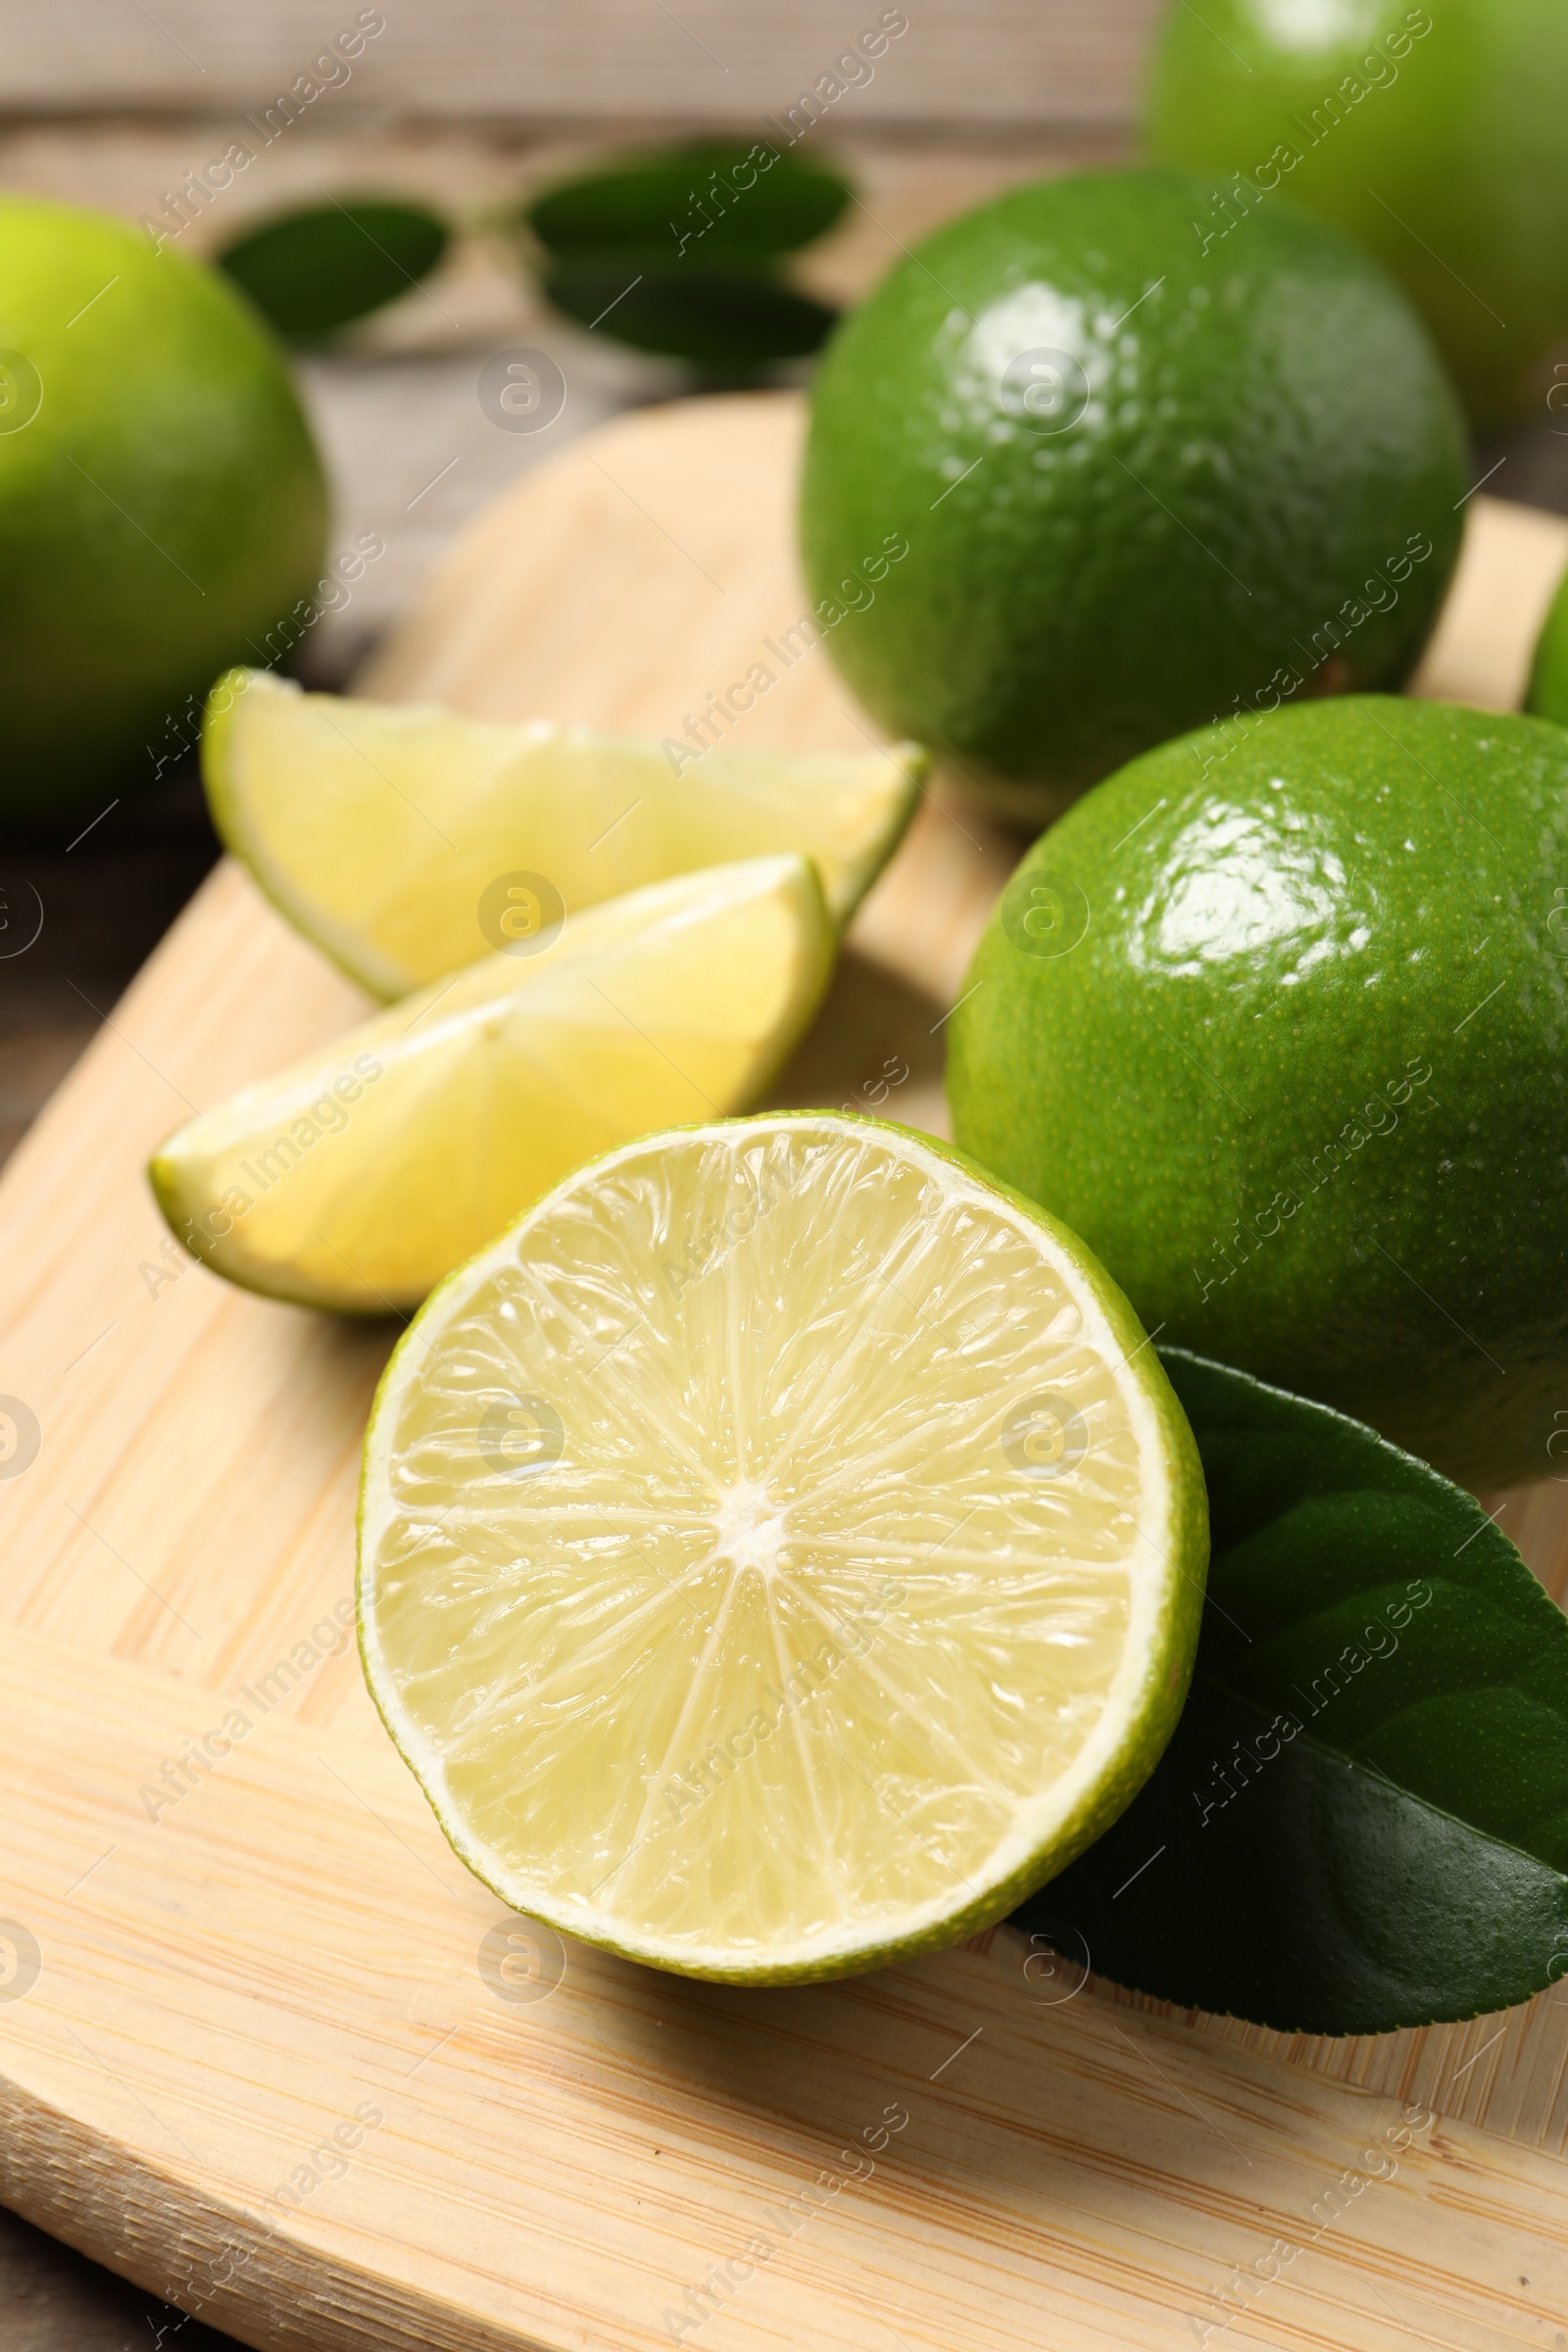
(778,1551)
(397,836)
(359,1178)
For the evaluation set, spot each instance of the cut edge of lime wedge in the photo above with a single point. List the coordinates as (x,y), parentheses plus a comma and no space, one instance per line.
(1051,1832)
(224,1176)
(886,783)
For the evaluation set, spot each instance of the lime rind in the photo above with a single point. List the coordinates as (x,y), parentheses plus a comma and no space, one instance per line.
(1141,1709)
(355,1180)
(376,828)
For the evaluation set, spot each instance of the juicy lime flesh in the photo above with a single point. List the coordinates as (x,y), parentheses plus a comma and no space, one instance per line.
(1149,483)
(815,1601)
(1434,137)
(1277,1020)
(386,832)
(362,1176)
(164,504)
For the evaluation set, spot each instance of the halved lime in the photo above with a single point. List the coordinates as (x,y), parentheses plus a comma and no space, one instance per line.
(360,1177)
(780,1552)
(383,830)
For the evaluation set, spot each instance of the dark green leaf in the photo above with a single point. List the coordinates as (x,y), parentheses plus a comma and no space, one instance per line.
(728,315)
(692,200)
(315,270)
(1362,1820)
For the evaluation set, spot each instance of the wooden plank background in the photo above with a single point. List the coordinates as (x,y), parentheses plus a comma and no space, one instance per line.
(706,61)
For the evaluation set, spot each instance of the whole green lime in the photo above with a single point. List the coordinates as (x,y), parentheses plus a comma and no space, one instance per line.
(162,505)
(1073,486)
(1549,676)
(1432,133)
(1277,1020)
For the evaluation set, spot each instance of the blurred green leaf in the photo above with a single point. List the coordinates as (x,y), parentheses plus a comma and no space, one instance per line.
(692,200)
(726,317)
(312,272)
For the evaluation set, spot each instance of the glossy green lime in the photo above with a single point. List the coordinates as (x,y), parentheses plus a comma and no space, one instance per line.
(1434,133)
(162,505)
(1549,676)
(1074,486)
(1277,1020)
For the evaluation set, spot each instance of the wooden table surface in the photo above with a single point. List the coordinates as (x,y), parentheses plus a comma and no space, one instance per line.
(392,412)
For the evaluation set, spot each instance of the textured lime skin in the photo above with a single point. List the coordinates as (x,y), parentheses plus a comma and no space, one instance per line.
(160,512)
(1441,149)
(1201,1016)
(1265,432)
(1156,1710)
(1548,677)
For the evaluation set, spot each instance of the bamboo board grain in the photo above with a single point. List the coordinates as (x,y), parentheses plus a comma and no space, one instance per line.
(220,1987)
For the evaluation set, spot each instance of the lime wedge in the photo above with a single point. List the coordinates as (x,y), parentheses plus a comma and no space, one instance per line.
(360,1177)
(780,1552)
(388,834)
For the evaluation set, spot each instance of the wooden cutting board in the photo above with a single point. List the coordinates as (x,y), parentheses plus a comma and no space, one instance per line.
(264,2044)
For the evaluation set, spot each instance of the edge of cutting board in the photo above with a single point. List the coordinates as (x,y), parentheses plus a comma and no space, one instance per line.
(225,1978)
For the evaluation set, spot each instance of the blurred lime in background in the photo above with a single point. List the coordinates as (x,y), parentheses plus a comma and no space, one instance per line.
(1434,133)
(1548,677)
(1073,485)
(162,504)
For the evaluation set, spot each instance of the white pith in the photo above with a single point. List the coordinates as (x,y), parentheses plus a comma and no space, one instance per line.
(747,1547)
